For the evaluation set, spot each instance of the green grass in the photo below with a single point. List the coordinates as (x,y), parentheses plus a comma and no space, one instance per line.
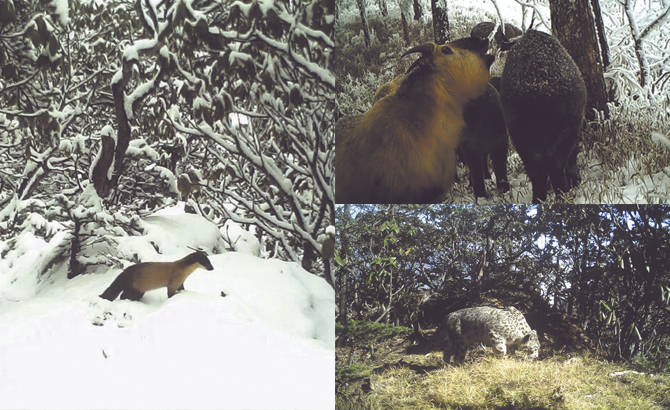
(363,332)
(352,373)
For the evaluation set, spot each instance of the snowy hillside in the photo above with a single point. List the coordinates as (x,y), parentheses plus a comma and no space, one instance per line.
(252,333)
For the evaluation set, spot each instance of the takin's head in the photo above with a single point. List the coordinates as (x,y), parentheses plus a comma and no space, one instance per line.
(462,66)
(485,28)
(434,56)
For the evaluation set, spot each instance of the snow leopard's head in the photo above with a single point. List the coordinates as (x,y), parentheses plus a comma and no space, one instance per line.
(530,344)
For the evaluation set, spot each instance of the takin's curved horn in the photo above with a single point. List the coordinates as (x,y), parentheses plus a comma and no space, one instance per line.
(425,50)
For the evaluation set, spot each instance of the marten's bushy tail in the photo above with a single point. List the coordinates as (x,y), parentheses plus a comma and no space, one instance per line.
(114,289)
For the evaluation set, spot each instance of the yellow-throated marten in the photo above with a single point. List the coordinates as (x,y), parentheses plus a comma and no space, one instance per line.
(146,276)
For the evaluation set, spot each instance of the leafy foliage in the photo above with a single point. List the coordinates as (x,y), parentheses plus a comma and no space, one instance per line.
(364,332)
(604,266)
(353,372)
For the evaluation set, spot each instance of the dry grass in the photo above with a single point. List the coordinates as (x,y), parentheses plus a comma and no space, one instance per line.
(558,382)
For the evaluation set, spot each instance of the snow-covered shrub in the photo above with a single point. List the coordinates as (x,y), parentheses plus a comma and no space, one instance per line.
(235,98)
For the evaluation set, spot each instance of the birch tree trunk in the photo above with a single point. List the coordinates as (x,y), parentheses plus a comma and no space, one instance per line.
(405,29)
(639,48)
(639,36)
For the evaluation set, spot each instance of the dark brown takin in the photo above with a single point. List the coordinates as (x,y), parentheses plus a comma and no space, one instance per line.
(543,99)
(485,134)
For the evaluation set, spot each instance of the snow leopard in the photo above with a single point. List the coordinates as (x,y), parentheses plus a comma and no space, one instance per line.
(504,329)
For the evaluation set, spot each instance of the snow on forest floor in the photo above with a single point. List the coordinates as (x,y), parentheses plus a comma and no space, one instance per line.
(268,343)
(627,185)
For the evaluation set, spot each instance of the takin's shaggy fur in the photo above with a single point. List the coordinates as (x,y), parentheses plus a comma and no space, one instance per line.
(543,99)
(403,149)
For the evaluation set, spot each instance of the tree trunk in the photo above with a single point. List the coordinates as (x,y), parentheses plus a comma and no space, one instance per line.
(418,10)
(364,20)
(341,283)
(123,135)
(405,29)
(602,39)
(383,7)
(440,21)
(75,268)
(573,25)
(308,256)
(99,175)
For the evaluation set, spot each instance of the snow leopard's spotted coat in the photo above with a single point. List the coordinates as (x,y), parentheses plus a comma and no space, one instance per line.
(504,329)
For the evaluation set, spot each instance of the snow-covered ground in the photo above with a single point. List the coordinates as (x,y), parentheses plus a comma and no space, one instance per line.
(268,343)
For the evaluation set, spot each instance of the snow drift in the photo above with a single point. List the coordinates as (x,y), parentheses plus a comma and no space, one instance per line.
(252,333)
